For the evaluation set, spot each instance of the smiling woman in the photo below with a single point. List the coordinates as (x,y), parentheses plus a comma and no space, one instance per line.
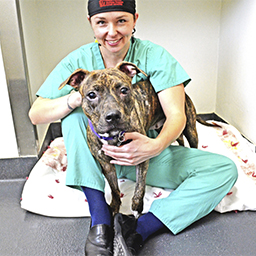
(112,23)
(113,32)
(201,179)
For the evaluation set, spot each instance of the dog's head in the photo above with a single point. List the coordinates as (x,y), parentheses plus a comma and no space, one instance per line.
(107,97)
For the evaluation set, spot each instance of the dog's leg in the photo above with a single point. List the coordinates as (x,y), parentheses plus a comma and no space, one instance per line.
(137,200)
(190,131)
(191,134)
(181,140)
(109,172)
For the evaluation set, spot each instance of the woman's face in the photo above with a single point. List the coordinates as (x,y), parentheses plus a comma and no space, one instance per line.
(113,30)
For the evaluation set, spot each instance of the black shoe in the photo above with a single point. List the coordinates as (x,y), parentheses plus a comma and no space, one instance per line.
(127,241)
(99,241)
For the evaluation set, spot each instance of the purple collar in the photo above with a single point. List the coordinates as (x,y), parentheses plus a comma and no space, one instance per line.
(120,136)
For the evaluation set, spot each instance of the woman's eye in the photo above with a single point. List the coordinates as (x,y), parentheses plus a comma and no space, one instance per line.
(124,90)
(122,21)
(101,22)
(91,95)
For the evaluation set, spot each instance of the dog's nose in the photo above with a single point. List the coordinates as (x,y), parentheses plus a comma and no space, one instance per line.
(113,116)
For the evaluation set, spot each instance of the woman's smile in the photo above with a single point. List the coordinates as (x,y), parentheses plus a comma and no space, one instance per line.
(112,42)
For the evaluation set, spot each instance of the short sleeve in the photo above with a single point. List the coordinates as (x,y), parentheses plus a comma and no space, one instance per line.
(164,70)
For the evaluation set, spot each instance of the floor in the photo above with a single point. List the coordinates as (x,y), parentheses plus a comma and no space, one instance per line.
(24,233)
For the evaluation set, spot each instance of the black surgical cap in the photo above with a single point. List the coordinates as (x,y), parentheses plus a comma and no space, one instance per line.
(99,6)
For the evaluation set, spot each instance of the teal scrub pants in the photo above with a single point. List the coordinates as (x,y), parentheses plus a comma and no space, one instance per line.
(200,179)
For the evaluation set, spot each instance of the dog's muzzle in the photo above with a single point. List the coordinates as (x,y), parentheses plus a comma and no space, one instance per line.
(120,136)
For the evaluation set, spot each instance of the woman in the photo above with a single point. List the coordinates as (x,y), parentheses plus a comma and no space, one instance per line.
(200,179)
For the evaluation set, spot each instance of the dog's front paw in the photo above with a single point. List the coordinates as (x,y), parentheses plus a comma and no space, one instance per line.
(137,205)
(114,209)
(135,214)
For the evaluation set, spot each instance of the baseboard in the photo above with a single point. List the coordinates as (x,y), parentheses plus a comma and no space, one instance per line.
(20,167)
(16,168)
(211,116)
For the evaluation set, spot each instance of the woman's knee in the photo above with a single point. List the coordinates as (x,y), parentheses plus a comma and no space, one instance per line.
(230,168)
(233,169)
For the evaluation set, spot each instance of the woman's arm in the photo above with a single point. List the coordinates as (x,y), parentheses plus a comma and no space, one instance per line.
(173,104)
(45,111)
(142,147)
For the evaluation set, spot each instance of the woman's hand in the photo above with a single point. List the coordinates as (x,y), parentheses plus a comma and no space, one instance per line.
(75,99)
(140,149)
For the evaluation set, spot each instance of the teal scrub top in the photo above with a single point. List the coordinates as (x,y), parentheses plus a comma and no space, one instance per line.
(163,70)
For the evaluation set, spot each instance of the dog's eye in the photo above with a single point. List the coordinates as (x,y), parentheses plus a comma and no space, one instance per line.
(124,90)
(91,95)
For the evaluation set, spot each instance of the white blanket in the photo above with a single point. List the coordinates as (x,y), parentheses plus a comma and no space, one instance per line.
(45,192)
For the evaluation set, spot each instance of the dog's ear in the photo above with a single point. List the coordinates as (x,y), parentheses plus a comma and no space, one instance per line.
(75,79)
(129,69)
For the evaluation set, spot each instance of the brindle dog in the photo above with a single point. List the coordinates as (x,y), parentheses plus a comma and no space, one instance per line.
(114,106)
